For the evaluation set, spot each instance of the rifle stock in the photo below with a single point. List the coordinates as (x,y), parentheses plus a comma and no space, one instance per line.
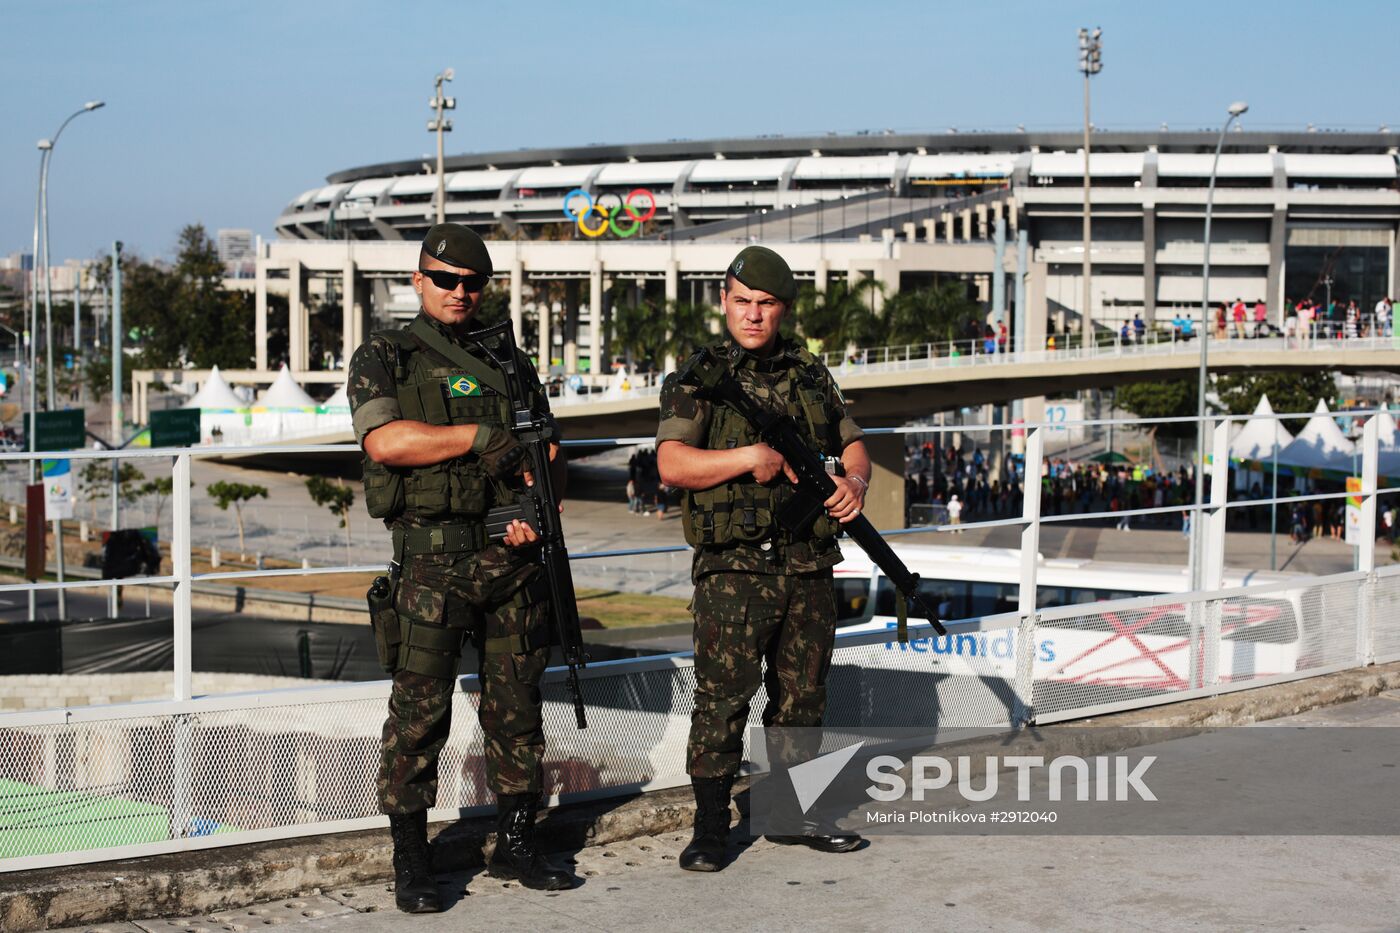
(712,379)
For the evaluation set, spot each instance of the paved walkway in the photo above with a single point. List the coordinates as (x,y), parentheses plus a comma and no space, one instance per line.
(899,882)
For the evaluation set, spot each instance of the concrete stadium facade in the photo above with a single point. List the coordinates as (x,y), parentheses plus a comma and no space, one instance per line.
(1294,212)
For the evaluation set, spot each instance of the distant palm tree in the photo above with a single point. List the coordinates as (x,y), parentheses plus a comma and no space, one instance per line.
(932,314)
(842,316)
(637,331)
(687,327)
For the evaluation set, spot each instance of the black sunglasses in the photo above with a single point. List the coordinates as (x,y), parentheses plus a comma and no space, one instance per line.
(448,281)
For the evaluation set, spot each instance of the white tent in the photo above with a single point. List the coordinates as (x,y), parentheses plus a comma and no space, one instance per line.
(285,393)
(1261,435)
(215,395)
(1320,446)
(338,403)
(1257,440)
(1389,464)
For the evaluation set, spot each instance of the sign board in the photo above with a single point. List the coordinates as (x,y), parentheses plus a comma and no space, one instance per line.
(1058,413)
(178,427)
(35,540)
(58,488)
(60,430)
(1354,510)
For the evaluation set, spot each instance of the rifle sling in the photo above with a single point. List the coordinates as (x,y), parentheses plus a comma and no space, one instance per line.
(459,356)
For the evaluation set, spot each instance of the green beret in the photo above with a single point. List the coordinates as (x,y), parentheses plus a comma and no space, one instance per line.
(761,268)
(458,246)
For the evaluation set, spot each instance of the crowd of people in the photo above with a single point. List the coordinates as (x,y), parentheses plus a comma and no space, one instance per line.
(952,486)
(962,482)
(1302,321)
(958,482)
(1310,320)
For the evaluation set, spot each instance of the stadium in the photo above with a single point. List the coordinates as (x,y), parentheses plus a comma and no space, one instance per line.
(573,230)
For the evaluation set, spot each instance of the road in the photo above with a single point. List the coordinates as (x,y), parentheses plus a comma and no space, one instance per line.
(1030,883)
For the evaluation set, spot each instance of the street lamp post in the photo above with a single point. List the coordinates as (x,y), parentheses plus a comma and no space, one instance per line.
(1090,63)
(47,145)
(440,125)
(1197,535)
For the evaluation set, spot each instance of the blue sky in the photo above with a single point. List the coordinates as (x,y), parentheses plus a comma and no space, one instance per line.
(221,113)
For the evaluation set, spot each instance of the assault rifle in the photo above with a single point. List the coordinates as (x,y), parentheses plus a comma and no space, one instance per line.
(710,375)
(539,507)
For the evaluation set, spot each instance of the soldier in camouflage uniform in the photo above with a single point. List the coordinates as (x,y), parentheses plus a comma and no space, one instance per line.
(430,410)
(762,598)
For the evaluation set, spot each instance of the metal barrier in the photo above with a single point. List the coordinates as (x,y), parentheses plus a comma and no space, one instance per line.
(135,779)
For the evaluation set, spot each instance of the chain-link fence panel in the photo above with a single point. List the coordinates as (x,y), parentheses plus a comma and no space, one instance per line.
(93,785)
(960,680)
(1111,655)
(1385,615)
(1141,651)
(1330,615)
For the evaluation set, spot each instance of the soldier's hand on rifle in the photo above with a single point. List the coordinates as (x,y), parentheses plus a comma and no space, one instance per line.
(520,534)
(767,463)
(849,498)
(502,454)
(530,477)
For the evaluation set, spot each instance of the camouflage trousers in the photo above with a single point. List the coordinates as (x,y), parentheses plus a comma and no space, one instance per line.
(485,596)
(744,623)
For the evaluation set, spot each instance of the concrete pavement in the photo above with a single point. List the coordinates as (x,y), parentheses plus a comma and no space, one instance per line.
(630,881)
(901,882)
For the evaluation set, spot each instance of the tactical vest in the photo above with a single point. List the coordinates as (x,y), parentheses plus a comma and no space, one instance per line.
(458,488)
(743,510)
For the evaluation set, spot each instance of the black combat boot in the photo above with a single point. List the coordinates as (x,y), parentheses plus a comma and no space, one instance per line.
(707,846)
(516,858)
(415,890)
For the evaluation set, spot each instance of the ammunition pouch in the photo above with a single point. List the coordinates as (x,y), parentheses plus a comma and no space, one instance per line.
(743,511)
(428,649)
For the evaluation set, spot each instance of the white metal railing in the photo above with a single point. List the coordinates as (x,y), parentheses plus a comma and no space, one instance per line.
(989,352)
(84,784)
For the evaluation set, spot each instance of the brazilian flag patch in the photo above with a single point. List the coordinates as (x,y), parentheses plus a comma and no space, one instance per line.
(463,387)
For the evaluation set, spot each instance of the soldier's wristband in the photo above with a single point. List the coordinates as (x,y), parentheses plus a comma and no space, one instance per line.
(482,439)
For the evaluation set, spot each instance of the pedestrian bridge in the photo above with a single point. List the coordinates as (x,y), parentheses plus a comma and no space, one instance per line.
(888,386)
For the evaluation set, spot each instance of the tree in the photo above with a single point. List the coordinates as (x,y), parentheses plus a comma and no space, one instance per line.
(637,331)
(97,375)
(494,307)
(335,496)
(1287,392)
(687,327)
(219,322)
(1174,398)
(160,488)
(182,315)
(841,316)
(928,315)
(97,482)
(225,494)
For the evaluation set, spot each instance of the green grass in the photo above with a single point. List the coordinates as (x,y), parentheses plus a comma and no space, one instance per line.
(625,610)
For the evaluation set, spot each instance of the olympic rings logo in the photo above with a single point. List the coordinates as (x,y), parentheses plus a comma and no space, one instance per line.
(623,216)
